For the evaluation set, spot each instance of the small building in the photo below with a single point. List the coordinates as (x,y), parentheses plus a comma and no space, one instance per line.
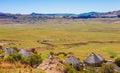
(25,53)
(93,60)
(74,62)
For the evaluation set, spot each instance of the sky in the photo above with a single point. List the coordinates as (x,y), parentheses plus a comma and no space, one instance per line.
(58,6)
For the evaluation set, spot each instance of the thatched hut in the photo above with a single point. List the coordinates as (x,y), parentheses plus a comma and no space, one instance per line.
(74,62)
(93,60)
(9,50)
(25,53)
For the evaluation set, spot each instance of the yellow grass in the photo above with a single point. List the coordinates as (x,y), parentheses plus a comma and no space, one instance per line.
(60,32)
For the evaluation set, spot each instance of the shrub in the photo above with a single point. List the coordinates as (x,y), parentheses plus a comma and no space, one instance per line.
(35,59)
(15,48)
(106,69)
(90,69)
(1,51)
(32,60)
(70,69)
(112,54)
(51,53)
(117,61)
(59,53)
(24,60)
(14,57)
(62,53)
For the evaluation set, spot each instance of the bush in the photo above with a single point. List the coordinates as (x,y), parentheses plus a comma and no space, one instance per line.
(106,69)
(1,51)
(90,69)
(51,53)
(112,54)
(15,48)
(24,60)
(117,61)
(62,53)
(32,60)
(14,57)
(70,69)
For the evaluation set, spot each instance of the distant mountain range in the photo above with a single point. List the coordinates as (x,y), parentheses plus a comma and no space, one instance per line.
(114,14)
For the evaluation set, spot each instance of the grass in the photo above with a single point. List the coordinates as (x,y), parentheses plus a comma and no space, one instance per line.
(21,70)
(6,67)
(66,32)
(59,32)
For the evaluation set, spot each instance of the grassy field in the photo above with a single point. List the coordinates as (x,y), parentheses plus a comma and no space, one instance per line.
(66,36)
(21,70)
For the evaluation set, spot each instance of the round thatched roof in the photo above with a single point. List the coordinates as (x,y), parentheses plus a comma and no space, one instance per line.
(74,62)
(93,60)
(9,50)
(25,53)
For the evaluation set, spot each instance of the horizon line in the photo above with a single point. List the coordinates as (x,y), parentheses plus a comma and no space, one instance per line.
(59,13)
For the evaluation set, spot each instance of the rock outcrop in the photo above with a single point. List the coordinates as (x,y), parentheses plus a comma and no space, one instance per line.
(52,66)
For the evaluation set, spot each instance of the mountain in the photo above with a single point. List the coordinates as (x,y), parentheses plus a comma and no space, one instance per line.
(57,14)
(37,16)
(113,14)
(6,15)
(88,15)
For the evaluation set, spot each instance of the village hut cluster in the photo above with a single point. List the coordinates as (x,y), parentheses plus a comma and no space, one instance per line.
(50,64)
(25,53)
(92,60)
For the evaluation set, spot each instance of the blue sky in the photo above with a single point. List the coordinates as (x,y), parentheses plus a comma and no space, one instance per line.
(58,6)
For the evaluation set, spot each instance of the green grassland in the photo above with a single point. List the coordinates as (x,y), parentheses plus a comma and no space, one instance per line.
(65,31)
